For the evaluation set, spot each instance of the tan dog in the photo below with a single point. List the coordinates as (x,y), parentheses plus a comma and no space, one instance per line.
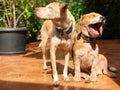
(59,28)
(86,50)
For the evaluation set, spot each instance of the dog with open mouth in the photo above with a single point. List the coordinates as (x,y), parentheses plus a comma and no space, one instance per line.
(86,50)
(59,29)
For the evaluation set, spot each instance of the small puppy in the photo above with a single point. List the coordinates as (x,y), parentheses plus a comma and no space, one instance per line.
(59,29)
(86,50)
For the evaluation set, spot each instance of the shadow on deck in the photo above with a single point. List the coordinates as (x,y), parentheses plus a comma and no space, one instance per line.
(24,72)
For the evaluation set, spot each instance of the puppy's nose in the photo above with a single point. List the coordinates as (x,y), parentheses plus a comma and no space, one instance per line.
(102,18)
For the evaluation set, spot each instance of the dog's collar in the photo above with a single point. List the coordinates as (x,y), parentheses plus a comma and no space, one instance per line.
(87,39)
(66,30)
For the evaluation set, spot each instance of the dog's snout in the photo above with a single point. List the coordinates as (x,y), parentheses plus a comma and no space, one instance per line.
(102,18)
(36,9)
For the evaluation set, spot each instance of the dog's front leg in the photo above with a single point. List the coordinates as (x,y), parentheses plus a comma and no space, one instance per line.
(54,68)
(43,46)
(93,75)
(65,71)
(77,76)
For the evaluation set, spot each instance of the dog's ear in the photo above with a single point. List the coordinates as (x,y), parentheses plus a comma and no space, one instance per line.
(64,6)
(79,26)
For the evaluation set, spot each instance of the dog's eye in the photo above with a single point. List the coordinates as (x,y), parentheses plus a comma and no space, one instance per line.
(48,7)
(92,15)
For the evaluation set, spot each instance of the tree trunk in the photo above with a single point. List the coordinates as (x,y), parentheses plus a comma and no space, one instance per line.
(14,14)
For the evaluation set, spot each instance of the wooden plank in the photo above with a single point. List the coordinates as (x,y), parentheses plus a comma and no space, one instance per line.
(25,71)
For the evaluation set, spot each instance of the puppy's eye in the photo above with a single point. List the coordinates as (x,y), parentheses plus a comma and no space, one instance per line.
(93,15)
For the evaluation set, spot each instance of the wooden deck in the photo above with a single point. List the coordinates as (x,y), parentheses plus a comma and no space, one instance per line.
(24,72)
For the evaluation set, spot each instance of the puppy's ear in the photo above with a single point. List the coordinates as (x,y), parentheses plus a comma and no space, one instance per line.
(78,26)
(64,6)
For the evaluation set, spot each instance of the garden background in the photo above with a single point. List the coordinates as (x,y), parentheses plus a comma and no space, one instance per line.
(108,8)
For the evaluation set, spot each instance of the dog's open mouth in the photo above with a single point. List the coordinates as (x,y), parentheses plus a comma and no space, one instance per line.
(94,29)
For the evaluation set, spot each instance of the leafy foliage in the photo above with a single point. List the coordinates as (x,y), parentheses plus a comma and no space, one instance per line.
(25,12)
(76,9)
(27,18)
(11,13)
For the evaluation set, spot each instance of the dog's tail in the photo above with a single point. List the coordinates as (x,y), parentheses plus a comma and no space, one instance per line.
(39,39)
(40,44)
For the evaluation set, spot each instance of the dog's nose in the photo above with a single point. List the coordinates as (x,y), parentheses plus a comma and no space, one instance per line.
(36,9)
(102,18)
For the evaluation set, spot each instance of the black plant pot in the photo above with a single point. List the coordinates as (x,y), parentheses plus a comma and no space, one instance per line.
(12,41)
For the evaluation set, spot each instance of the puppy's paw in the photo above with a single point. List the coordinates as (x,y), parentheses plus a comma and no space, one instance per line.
(93,78)
(56,83)
(77,78)
(87,80)
(67,79)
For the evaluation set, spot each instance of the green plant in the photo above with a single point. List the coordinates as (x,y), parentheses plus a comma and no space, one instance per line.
(15,13)
(23,14)
(32,22)
(20,13)
(10,13)
(76,8)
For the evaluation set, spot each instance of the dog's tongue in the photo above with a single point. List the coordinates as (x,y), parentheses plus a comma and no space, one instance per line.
(95,32)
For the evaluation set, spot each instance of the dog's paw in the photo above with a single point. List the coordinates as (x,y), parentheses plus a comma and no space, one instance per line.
(87,80)
(77,78)
(45,67)
(93,78)
(56,83)
(67,79)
